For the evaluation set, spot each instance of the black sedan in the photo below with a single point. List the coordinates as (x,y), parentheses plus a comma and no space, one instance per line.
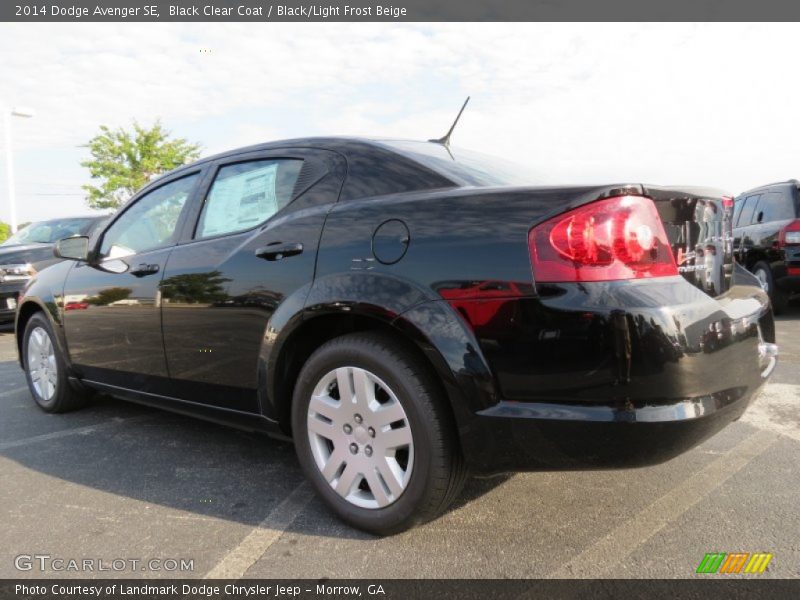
(31,250)
(408,313)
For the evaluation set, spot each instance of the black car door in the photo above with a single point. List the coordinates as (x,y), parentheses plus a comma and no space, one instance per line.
(112,314)
(250,245)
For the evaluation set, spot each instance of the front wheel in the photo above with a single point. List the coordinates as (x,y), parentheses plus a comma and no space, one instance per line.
(45,369)
(373,434)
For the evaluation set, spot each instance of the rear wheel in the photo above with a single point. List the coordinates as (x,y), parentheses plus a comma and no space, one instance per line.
(373,434)
(45,369)
(778,298)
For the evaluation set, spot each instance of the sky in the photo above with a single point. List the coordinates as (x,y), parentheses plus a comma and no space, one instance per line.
(701,104)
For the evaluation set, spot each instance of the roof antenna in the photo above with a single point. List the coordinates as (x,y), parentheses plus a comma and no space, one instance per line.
(445,141)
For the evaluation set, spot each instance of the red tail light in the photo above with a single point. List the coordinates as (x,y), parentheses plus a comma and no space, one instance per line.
(790,234)
(618,238)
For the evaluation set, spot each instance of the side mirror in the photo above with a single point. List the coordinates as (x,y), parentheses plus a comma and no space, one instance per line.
(73,248)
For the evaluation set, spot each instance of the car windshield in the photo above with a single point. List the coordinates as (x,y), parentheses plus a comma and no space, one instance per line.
(49,232)
(464,166)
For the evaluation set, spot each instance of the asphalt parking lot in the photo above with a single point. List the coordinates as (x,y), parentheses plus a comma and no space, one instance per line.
(118,481)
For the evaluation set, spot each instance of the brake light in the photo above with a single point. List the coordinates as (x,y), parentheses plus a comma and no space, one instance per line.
(790,234)
(617,238)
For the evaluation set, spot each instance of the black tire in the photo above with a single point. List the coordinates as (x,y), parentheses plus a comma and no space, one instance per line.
(65,397)
(778,298)
(438,472)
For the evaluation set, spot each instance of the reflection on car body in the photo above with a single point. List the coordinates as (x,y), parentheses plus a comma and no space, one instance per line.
(408,312)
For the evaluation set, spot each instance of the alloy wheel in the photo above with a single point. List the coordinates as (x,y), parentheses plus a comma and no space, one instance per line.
(360,437)
(41,363)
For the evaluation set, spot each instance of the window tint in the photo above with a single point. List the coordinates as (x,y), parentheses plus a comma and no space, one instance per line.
(151,222)
(247,194)
(775,206)
(746,216)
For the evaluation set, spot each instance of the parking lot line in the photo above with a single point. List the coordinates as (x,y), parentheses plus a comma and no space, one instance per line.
(621,542)
(12,392)
(236,563)
(69,432)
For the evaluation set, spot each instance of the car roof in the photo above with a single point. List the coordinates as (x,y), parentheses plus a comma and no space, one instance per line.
(342,144)
(790,183)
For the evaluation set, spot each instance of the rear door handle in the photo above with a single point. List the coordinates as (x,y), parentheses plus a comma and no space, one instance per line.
(144,269)
(278,251)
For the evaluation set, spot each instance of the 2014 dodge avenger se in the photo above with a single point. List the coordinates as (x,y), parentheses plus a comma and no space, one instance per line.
(408,312)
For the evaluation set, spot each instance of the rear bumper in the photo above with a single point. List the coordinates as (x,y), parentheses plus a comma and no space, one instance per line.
(538,436)
(611,375)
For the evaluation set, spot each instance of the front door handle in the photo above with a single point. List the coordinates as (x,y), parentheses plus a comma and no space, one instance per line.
(279,251)
(144,269)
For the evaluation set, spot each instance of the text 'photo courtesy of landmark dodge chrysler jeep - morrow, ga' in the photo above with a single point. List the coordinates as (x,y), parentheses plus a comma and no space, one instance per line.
(408,313)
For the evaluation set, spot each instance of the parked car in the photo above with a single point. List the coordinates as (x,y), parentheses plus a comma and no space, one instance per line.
(31,250)
(321,288)
(767,238)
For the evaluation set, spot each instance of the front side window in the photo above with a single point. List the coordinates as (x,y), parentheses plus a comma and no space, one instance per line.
(746,217)
(151,222)
(246,194)
(737,210)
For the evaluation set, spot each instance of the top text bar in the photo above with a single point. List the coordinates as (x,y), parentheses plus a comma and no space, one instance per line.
(399,10)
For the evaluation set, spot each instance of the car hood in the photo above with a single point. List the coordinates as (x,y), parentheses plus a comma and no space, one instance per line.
(34,254)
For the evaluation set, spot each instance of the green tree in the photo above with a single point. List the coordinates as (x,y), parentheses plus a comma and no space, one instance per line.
(123,161)
(5,231)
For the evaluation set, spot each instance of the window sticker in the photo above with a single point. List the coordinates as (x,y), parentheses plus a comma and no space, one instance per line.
(241,201)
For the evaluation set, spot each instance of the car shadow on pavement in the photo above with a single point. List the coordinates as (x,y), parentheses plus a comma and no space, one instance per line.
(155,457)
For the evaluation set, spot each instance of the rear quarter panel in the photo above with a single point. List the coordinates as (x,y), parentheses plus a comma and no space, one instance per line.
(468,254)
(459,241)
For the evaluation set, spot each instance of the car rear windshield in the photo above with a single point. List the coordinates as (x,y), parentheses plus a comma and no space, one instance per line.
(49,232)
(464,166)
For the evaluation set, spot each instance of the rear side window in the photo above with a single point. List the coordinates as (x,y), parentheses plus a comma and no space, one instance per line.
(246,194)
(748,210)
(774,206)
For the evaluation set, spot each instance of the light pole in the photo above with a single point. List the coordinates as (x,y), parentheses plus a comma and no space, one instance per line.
(7,114)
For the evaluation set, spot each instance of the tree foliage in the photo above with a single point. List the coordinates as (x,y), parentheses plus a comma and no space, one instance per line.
(5,231)
(123,161)
(194,288)
(109,295)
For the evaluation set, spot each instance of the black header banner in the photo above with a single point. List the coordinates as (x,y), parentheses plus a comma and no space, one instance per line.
(397,10)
